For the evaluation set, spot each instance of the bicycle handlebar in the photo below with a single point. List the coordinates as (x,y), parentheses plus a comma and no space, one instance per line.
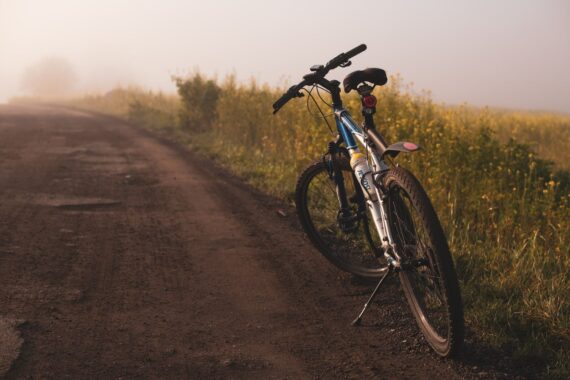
(292,92)
(344,57)
(312,78)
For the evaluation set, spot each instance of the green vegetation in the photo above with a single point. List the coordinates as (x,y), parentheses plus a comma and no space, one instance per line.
(506,211)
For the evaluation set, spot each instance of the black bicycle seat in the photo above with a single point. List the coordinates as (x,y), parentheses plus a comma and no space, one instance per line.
(372,75)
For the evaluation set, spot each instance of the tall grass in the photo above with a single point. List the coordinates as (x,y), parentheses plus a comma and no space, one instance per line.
(146,108)
(506,209)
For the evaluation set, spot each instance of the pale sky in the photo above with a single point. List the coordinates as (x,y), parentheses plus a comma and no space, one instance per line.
(504,53)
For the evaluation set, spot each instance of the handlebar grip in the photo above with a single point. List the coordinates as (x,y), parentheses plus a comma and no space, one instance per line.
(281,102)
(357,50)
(344,57)
(292,92)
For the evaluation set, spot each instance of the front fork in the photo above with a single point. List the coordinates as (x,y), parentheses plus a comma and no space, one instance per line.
(346,218)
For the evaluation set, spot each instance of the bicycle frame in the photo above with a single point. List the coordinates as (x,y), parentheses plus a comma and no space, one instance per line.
(349,130)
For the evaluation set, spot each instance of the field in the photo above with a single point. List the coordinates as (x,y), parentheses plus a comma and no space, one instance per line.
(499,180)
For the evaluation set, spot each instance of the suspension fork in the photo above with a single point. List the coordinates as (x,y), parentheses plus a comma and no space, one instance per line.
(346,218)
(337,177)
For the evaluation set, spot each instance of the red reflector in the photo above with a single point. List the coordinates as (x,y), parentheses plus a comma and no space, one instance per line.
(369,101)
(410,146)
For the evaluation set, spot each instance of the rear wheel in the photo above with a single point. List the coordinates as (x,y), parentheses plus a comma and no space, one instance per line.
(428,275)
(345,239)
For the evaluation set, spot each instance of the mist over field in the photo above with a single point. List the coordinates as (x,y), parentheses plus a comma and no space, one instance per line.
(141,165)
(505,54)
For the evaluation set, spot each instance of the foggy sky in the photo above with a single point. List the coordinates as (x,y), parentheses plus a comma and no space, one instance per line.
(504,53)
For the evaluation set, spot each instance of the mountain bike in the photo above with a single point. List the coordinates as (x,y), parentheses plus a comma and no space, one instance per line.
(371,217)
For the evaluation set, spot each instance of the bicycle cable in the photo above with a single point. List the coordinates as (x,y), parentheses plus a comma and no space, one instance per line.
(322,114)
(319,93)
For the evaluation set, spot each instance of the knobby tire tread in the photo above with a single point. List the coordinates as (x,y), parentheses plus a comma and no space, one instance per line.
(407,182)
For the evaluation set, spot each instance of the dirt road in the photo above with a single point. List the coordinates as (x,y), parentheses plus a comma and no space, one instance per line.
(122,256)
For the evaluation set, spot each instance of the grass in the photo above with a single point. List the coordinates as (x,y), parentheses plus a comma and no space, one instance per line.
(497,178)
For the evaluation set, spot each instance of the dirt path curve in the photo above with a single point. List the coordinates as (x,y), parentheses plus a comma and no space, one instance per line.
(122,256)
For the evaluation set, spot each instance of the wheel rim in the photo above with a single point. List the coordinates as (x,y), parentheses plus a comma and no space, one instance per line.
(420,274)
(350,248)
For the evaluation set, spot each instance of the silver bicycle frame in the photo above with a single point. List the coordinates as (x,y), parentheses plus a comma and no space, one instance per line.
(349,130)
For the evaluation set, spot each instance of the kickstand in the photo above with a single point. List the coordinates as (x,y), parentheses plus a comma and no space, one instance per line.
(358,319)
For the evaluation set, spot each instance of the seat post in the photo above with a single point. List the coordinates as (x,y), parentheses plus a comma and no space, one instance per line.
(368,114)
(368,101)
(368,110)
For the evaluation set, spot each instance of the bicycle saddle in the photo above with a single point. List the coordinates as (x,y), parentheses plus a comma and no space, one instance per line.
(372,75)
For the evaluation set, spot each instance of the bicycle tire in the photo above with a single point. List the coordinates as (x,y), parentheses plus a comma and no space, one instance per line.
(429,265)
(347,251)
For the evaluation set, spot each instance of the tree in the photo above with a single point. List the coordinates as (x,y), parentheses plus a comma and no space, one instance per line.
(49,78)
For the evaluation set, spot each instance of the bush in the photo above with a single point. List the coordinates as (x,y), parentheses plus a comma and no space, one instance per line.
(199,102)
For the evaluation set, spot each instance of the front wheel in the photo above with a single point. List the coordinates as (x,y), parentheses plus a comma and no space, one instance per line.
(428,275)
(346,238)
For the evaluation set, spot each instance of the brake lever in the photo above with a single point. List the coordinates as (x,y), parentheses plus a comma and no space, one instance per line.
(295,94)
(346,64)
